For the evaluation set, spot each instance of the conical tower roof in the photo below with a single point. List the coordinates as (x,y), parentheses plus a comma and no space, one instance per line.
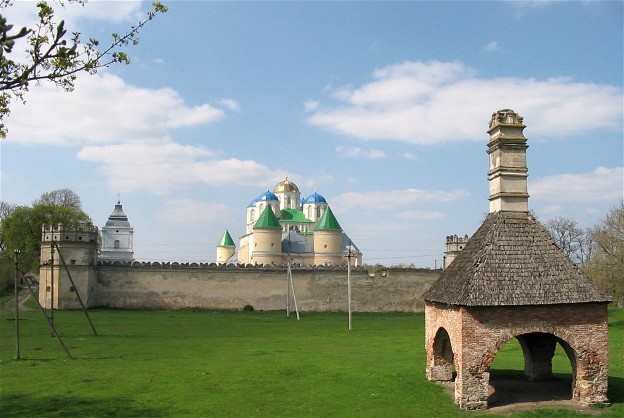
(226,240)
(267,219)
(512,260)
(118,218)
(328,222)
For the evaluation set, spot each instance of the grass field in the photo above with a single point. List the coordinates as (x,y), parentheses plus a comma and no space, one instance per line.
(258,364)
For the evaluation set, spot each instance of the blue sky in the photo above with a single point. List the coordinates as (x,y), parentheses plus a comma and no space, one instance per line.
(381,107)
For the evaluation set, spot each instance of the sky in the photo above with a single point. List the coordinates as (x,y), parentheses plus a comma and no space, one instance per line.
(381,107)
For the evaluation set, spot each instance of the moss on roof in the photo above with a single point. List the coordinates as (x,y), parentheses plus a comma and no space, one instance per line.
(267,220)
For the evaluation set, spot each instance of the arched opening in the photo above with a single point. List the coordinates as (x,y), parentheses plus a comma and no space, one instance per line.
(442,368)
(533,367)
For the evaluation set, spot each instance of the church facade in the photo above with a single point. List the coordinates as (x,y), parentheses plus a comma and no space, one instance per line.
(282,227)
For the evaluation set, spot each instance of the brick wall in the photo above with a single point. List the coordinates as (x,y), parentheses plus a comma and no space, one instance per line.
(477,333)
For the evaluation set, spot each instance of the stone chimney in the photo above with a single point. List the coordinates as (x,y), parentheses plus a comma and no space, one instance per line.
(508,169)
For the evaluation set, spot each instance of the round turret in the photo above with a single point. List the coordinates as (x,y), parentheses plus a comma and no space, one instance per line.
(225,248)
(267,239)
(328,240)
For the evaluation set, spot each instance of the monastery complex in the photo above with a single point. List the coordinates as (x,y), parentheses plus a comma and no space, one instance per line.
(282,227)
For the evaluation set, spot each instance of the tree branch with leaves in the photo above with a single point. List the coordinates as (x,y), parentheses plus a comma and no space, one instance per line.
(54,55)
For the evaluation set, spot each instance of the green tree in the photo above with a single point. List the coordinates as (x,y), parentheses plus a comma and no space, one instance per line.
(54,55)
(21,230)
(606,268)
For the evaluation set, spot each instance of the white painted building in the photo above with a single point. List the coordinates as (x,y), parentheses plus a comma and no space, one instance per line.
(117,237)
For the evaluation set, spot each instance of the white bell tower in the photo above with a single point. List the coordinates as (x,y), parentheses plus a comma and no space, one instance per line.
(117,237)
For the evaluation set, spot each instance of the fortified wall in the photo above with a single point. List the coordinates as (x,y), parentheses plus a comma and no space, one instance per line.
(176,286)
(70,268)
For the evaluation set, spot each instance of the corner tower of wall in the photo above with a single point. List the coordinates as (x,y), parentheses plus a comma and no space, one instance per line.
(67,252)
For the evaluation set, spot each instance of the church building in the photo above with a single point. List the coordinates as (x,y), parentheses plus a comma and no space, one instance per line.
(117,234)
(283,227)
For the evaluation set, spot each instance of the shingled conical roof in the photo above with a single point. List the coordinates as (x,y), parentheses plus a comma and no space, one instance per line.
(512,260)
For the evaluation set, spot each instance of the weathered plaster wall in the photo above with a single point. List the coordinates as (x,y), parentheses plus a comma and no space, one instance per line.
(263,288)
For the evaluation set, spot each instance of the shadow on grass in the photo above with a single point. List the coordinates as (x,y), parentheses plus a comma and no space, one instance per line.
(64,406)
(616,390)
(511,386)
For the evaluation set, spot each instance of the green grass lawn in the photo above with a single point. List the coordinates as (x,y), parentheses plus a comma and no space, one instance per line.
(260,364)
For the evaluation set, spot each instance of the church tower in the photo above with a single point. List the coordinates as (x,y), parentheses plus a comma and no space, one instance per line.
(117,242)
(288,195)
(314,206)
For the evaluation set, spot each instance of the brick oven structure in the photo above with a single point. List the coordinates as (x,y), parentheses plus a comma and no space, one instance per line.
(511,281)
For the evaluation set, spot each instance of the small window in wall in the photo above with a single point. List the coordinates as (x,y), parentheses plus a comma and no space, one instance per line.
(73,261)
(318,212)
(72,289)
(252,215)
(48,289)
(289,202)
(116,245)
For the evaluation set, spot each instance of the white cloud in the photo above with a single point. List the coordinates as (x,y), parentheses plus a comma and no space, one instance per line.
(356,152)
(190,211)
(602,184)
(435,102)
(409,156)
(394,198)
(416,215)
(161,167)
(492,46)
(230,104)
(102,109)
(310,105)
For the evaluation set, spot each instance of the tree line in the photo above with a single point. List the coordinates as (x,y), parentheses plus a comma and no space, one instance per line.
(598,251)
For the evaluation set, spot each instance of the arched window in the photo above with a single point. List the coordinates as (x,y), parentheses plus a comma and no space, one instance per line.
(252,215)
(116,245)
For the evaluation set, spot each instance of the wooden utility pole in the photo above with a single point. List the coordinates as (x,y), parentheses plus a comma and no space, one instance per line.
(17,330)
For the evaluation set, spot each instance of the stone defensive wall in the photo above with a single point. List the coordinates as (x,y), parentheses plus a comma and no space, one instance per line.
(209,286)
